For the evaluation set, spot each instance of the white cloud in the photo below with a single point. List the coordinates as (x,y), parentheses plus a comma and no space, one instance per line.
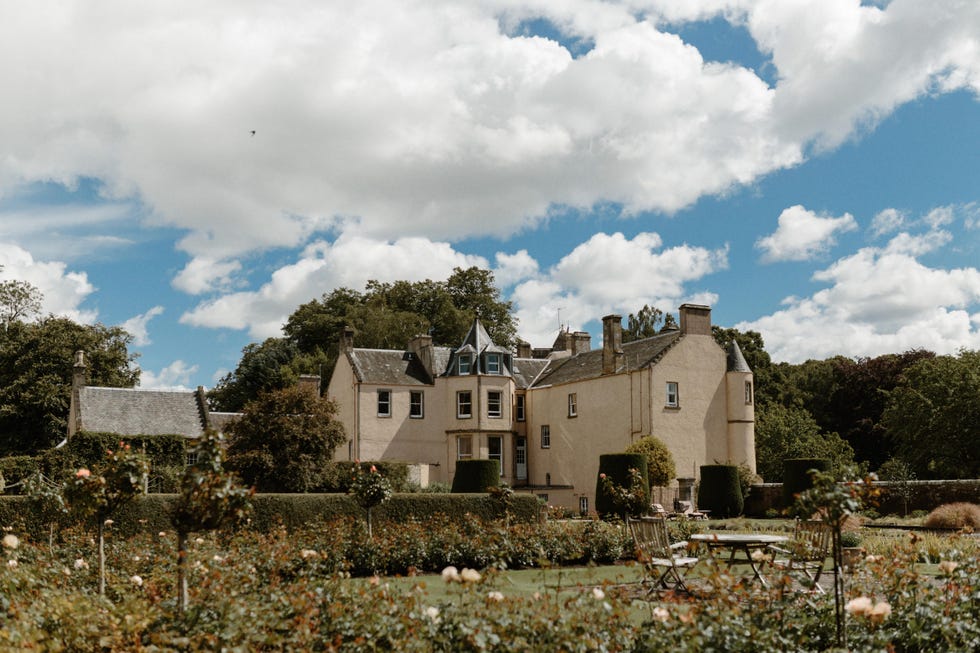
(610,273)
(512,268)
(803,235)
(204,274)
(137,326)
(879,300)
(887,221)
(349,261)
(176,376)
(63,290)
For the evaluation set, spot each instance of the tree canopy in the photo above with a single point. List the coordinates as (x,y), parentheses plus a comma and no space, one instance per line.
(387,315)
(284,440)
(36,362)
(661,469)
(647,322)
(782,433)
(18,300)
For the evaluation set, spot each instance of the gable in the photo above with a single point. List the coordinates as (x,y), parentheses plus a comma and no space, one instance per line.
(588,365)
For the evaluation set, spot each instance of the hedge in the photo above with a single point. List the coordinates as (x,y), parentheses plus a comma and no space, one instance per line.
(476,475)
(616,467)
(720,491)
(151,513)
(796,476)
(337,475)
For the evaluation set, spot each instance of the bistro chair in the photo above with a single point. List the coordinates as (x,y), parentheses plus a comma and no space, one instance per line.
(660,558)
(808,551)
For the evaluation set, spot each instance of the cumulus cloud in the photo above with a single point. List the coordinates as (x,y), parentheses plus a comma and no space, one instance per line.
(879,300)
(803,235)
(176,376)
(137,326)
(887,221)
(64,291)
(349,261)
(611,273)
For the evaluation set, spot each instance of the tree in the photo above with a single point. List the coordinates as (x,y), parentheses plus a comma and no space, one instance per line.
(18,300)
(284,440)
(274,364)
(647,322)
(782,433)
(36,362)
(660,463)
(934,416)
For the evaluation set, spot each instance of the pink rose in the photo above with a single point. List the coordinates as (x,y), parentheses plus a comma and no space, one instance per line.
(83,473)
(374,470)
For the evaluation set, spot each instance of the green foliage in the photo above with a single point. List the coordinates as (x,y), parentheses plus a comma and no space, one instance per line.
(284,440)
(782,433)
(15,470)
(119,479)
(36,362)
(954,515)
(18,300)
(660,463)
(476,475)
(797,475)
(934,416)
(622,487)
(719,490)
(647,322)
(209,497)
(337,476)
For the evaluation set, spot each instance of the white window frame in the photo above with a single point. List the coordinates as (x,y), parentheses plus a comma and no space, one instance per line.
(673,395)
(416,409)
(459,404)
(545,436)
(464,364)
(583,505)
(748,393)
(573,404)
(499,457)
(493,363)
(386,402)
(464,452)
(495,397)
(520,407)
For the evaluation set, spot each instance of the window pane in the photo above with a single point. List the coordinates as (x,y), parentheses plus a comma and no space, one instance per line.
(495,451)
(464,447)
(416,407)
(494,404)
(464,364)
(464,404)
(545,436)
(572,405)
(493,363)
(520,408)
(672,396)
(384,403)
(748,392)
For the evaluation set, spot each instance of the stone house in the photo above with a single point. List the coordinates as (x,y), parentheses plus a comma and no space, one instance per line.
(547,414)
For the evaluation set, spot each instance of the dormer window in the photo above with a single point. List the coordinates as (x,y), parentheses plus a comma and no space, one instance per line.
(464,363)
(493,363)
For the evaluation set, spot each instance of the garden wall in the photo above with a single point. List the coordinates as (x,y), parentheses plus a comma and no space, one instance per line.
(922,495)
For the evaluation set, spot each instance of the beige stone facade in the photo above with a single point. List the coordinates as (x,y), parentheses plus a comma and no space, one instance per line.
(547,419)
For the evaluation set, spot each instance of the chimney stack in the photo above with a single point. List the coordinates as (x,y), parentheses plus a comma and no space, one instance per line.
(695,320)
(523,349)
(421,347)
(612,343)
(581,342)
(78,373)
(310,382)
(346,340)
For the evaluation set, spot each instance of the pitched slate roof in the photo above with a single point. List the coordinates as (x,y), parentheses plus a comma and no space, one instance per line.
(392,367)
(588,365)
(140,412)
(480,340)
(526,370)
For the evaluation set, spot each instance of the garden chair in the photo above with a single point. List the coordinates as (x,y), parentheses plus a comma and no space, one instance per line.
(660,558)
(808,551)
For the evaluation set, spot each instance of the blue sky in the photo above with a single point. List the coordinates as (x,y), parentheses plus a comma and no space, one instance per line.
(809,169)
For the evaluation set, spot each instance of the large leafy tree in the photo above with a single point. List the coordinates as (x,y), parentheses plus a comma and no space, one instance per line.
(284,440)
(36,362)
(934,415)
(647,322)
(385,316)
(18,300)
(782,433)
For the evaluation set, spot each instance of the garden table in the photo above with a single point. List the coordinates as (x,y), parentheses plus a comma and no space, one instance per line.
(736,543)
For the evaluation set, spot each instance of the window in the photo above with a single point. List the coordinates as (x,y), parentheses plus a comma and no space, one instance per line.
(543,497)
(464,364)
(494,404)
(384,403)
(748,392)
(464,447)
(520,407)
(673,398)
(191,458)
(572,404)
(495,451)
(545,436)
(493,363)
(583,505)
(416,405)
(464,404)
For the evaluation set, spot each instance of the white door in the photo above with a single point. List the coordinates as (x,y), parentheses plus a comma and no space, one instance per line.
(520,458)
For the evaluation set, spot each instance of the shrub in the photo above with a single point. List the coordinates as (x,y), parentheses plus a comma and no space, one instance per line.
(720,491)
(476,475)
(660,463)
(14,470)
(614,471)
(796,476)
(954,515)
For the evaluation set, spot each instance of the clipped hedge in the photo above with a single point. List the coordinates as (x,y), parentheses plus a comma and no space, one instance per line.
(476,475)
(14,470)
(151,513)
(89,447)
(796,476)
(720,491)
(616,467)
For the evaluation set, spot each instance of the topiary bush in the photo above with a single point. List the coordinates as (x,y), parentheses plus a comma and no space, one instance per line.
(476,475)
(796,476)
(661,469)
(614,472)
(954,515)
(719,491)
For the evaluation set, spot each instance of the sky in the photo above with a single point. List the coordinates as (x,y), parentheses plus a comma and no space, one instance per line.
(193,172)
